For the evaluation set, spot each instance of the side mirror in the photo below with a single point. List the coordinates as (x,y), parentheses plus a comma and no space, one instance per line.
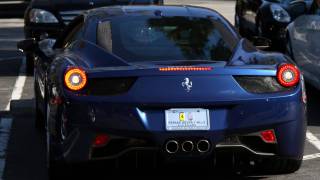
(27,45)
(261,42)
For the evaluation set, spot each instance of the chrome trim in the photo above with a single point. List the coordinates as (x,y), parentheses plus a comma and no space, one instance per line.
(183,146)
(174,150)
(245,147)
(203,150)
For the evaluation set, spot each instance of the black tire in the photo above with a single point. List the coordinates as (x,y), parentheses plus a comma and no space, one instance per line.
(40,121)
(29,64)
(279,166)
(40,116)
(57,167)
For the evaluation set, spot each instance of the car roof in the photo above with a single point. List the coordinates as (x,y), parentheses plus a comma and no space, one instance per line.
(166,11)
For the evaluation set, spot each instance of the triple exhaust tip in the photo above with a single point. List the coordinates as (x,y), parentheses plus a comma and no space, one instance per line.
(172,146)
(187,146)
(202,146)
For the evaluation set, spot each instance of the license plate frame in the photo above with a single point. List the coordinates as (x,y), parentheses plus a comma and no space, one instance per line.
(187,119)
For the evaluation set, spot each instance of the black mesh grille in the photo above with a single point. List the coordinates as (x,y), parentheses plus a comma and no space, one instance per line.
(109,86)
(260,84)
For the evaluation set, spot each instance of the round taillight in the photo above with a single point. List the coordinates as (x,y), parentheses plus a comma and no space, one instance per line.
(75,79)
(288,75)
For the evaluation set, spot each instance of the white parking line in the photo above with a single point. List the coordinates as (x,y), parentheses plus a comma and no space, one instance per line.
(18,87)
(5,123)
(311,138)
(11,2)
(311,156)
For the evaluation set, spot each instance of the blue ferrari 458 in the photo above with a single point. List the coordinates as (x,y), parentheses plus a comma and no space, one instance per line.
(175,83)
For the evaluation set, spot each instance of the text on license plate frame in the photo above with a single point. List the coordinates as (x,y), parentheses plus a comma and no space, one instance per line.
(187,119)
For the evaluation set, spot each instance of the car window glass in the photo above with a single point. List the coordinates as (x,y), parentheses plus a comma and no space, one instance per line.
(150,39)
(104,35)
(75,33)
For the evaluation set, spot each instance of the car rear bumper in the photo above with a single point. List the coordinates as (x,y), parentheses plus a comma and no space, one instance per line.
(79,147)
(234,128)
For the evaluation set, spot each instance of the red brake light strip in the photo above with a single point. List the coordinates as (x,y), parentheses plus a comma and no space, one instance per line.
(185,69)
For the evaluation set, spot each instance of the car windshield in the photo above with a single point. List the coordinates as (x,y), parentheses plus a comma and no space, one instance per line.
(140,39)
(305,44)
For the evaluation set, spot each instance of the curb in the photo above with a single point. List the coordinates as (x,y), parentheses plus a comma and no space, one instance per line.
(23,107)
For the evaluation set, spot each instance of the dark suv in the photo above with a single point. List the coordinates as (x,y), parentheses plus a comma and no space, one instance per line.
(47,18)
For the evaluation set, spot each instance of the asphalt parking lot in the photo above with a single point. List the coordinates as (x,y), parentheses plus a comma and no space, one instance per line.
(22,148)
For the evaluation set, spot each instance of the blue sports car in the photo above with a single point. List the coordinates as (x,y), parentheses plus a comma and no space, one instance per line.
(175,83)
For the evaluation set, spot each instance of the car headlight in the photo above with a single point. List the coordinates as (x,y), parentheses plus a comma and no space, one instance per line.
(279,14)
(42,16)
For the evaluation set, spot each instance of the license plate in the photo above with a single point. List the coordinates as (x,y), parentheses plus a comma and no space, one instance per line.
(187,119)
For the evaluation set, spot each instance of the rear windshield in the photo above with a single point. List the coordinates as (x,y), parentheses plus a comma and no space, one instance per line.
(139,39)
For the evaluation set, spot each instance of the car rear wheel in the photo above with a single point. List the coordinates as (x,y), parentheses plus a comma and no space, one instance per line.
(29,64)
(57,168)
(280,166)
(40,116)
